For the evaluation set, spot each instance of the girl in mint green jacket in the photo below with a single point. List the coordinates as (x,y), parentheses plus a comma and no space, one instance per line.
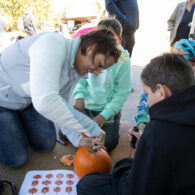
(102,97)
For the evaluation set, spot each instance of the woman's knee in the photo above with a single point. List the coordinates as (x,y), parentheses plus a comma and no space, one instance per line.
(44,143)
(19,161)
(44,138)
(48,145)
(16,160)
(49,140)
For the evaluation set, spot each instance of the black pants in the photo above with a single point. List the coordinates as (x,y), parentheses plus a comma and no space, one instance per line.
(95,184)
(111,129)
(128,42)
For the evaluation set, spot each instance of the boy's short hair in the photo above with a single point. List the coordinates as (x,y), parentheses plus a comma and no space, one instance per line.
(169,69)
(106,41)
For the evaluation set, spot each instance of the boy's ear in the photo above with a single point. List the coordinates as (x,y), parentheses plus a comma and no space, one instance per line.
(164,91)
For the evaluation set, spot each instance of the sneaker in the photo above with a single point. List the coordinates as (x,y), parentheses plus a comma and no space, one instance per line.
(62,137)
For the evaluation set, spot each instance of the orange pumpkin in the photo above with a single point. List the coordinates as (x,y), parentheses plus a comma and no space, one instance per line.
(87,160)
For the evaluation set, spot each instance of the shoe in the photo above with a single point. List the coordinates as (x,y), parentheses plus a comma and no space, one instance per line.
(62,138)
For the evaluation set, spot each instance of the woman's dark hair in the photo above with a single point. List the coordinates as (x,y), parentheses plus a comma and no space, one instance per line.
(105,41)
(112,24)
(169,69)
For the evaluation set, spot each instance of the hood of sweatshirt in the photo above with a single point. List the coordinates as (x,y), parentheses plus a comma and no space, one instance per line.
(178,108)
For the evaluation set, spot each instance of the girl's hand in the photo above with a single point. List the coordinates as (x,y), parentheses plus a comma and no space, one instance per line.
(100,120)
(79,104)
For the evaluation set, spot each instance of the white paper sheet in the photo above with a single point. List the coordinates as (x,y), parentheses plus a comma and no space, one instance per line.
(49,182)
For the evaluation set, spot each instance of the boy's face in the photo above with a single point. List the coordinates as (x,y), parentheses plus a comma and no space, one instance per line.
(153,97)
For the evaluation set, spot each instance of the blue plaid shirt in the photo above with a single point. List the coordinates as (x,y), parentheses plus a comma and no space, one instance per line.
(142,110)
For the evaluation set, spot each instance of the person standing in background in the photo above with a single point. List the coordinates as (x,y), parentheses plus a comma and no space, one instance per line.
(29,22)
(192,28)
(126,11)
(180,21)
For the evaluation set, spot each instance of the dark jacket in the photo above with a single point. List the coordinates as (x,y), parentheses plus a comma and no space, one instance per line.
(164,163)
(126,12)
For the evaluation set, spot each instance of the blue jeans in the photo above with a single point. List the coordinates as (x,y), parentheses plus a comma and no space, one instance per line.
(21,129)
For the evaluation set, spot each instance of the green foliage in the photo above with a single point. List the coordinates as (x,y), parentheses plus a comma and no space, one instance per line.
(57,19)
(14,9)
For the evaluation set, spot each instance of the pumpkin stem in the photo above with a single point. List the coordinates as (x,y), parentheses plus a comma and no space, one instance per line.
(70,157)
(91,150)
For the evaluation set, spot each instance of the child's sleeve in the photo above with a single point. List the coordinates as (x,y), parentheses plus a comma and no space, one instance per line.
(142,110)
(122,88)
(80,89)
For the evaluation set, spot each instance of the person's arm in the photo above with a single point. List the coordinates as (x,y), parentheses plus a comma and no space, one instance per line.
(73,136)
(142,112)
(112,9)
(80,91)
(47,56)
(121,89)
(171,20)
(79,140)
(76,138)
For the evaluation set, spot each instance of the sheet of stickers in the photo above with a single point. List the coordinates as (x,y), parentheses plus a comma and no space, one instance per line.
(49,182)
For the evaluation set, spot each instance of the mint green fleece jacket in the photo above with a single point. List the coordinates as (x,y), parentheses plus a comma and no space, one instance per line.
(108,91)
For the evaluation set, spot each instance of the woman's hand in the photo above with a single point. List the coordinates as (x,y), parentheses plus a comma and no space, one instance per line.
(79,104)
(94,142)
(86,142)
(100,120)
(98,142)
